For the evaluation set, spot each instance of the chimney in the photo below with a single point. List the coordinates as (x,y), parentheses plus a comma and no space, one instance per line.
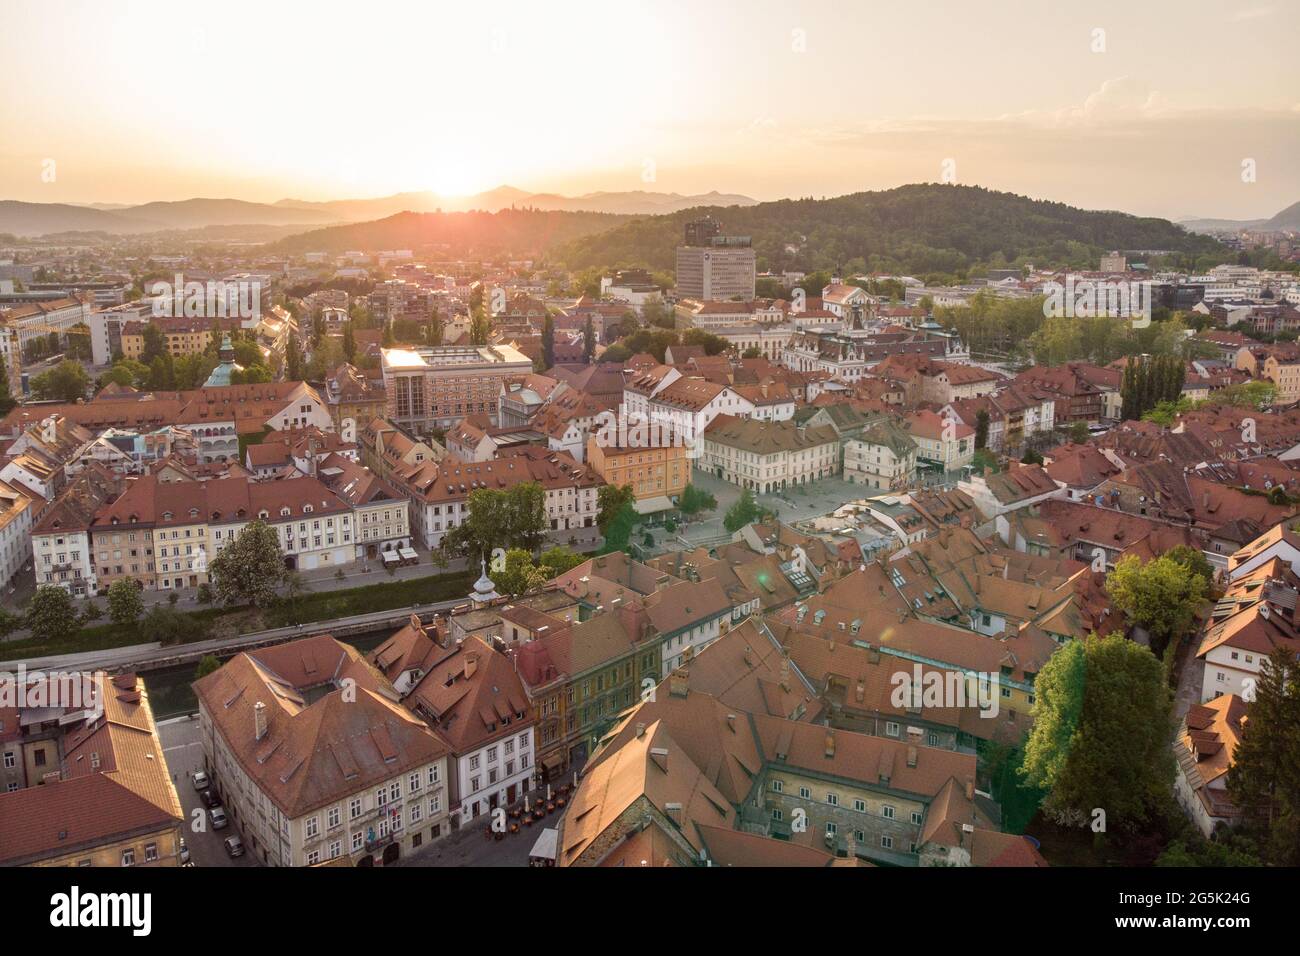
(785,671)
(830,742)
(259,720)
(640,730)
(731,722)
(970,789)
(911,757)
(678,682)
(471,665)
(674,813)
(660,756)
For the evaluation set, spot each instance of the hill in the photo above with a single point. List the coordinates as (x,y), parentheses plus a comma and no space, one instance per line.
(1288,219)
(912,229)
(633,203)
(40,219)
(515,231)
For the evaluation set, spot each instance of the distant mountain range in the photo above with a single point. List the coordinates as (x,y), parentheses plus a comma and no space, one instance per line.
(1287,219)
(39,219)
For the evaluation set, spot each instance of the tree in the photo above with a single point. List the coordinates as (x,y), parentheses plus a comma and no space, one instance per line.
(1193,559)
(981,429)
(517,574)
(1161,596)
(124,602)
(510,518)
(693,501)
(66,382)
(292,359)
(7,401)
(611,499)
(349,343)
(1264,780)
(618,533)
(744,511)
(559,559)
(1079,432)
(548,343)
(588,341)
(165,625)
(250,569)
(51,614)
(1102,724)
(208,663)
(9,622)
(480,327)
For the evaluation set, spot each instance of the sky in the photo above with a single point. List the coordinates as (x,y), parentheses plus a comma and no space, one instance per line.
(1172,108)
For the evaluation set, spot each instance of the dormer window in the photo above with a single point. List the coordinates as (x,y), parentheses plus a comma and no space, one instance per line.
(307,509)
(264,513)
(284,512)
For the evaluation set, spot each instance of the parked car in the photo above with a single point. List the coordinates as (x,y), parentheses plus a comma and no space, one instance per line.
(210,799)
(219,821)
(185,852)
(200,779)
(234,846)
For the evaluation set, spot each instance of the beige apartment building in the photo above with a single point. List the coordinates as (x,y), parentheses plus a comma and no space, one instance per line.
(317,761)
(436,387)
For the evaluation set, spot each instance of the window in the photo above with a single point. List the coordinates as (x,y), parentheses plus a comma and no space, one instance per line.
(805,793)
(777,815)
(887,842)
(128,857)
(151,852)
(433,775)
(332,818)
(860,805)
(916,817)
(777,786)
(887,812)
(832,829)
(833,799)
(313,826)
(354,808)
(358,839)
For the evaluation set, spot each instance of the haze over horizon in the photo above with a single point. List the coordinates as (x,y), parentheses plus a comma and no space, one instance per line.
(761,100)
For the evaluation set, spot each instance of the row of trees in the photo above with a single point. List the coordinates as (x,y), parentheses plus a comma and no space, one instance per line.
(1148,381)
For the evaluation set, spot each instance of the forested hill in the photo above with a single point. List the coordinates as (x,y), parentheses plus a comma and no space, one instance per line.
(913,229)
(519,232)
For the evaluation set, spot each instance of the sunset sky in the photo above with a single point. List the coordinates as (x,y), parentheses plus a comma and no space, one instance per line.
(262,101)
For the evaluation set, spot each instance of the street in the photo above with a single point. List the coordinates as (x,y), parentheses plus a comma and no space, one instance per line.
(183,752)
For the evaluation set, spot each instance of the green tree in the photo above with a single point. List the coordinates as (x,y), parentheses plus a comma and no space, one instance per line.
(51,614)
(510,518)
(292,359)
(66,382)
(693,501)
(559,559)
(208,663)
(548,342)
(125,605)
(1161,596)
(517,574)
(611,499)
(7,401)
(1103,720)
(588,341)
(250,569)
(349,343)
(165,625)
(981,429)
(1264,780)
(744,511)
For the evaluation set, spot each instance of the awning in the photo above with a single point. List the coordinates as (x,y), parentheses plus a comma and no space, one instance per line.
(553,760)
(649,506)
(390,557)
(547,843)
(408,554)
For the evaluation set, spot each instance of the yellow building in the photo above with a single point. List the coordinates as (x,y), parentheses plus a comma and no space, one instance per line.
(183,336)
(653,472)
(1285,374)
